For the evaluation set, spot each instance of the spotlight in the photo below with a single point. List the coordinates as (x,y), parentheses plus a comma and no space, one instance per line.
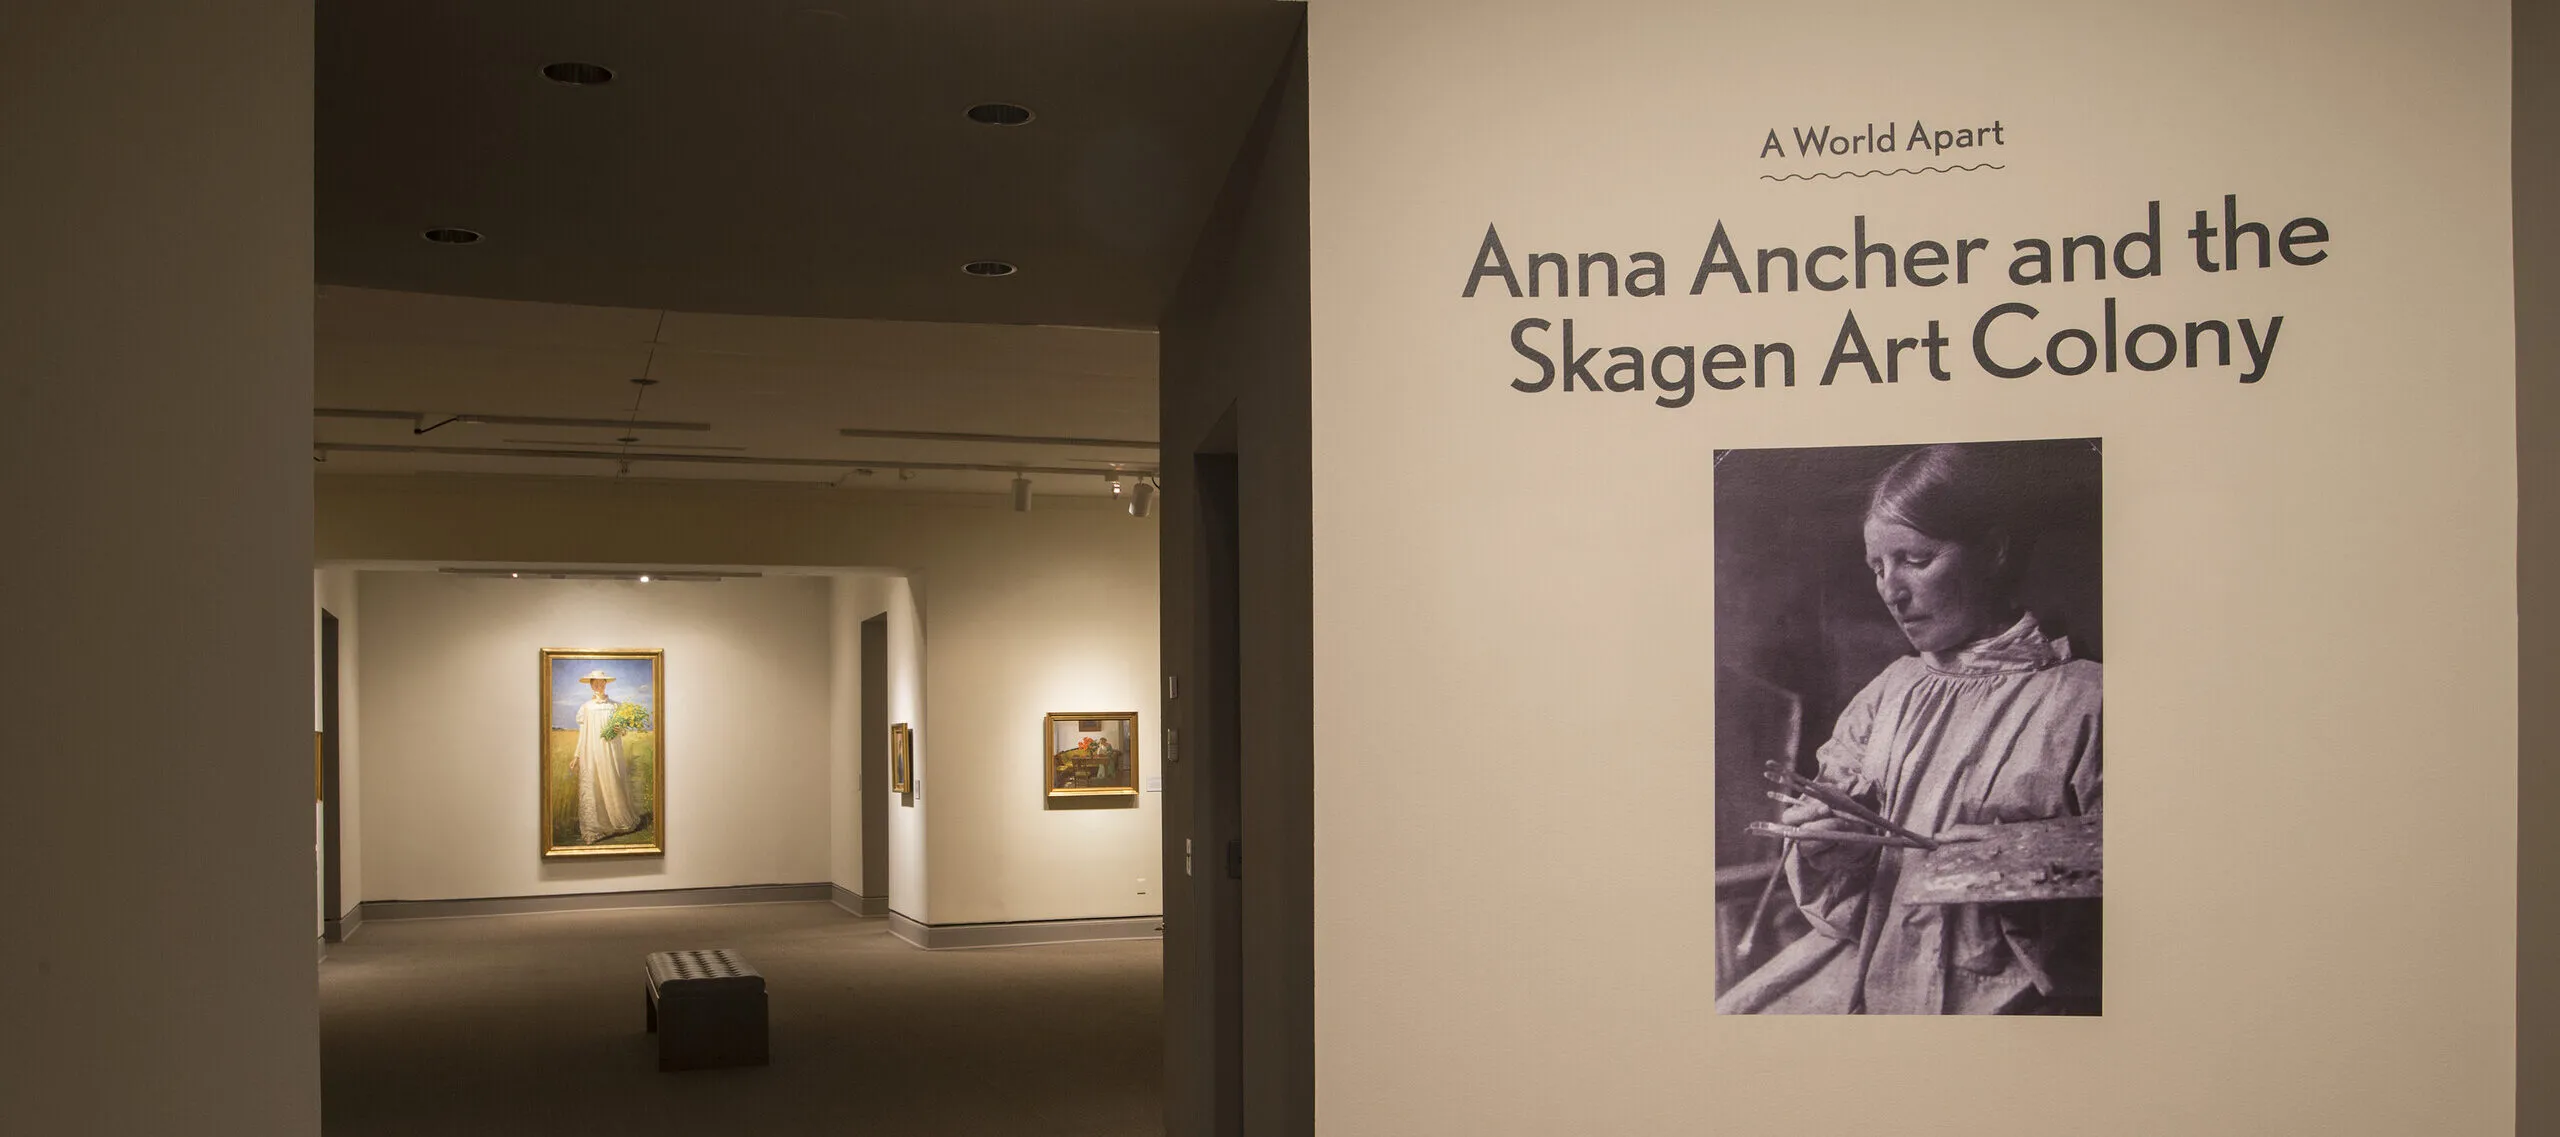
(1112,479)
(1142,500)
(1021,494)
(644,578)
(578,74)
(999,114)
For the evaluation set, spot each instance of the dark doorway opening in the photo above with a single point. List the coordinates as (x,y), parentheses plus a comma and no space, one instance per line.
(332,904)
(873,793)
(1219,868)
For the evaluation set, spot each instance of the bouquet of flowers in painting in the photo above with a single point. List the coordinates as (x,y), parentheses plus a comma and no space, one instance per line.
(629,718)
(1092,754)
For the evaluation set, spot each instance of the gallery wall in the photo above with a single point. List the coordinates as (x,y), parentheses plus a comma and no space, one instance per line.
(155,374)
(1234,398)
(2310,583)
(1011,633)
(1010,616)
(452,709)
(2537,180)
(910,891)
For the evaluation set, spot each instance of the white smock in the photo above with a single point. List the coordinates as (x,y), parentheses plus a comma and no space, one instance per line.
(2006,731)
(604,778)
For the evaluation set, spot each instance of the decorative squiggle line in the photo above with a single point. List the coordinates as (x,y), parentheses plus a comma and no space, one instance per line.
(1886,173)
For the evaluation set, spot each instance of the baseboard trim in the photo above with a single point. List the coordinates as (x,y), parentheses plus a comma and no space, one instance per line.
(591,901)
(1022,933)
(337,931)
(857,903)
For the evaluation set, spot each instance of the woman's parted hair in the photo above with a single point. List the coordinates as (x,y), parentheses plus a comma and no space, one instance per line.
(1981,495)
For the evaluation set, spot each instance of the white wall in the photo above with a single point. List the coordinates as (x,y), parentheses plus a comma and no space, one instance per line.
(155,419)
(451,720)
(2310,580)
(910,894)
(1004,647)
(1018,610)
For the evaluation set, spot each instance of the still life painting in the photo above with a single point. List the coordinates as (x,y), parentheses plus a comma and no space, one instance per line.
(1091,754)
(603,768)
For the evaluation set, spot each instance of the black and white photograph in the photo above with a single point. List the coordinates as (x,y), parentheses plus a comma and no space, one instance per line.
(1908,742)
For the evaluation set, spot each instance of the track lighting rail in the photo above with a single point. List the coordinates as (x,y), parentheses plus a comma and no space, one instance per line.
(419,424)
(325,448)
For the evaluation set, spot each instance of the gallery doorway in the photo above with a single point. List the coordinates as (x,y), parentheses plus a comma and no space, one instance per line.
(333,905)
(652,342)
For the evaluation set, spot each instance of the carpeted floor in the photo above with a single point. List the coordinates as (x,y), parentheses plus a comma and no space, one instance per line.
(533,1025)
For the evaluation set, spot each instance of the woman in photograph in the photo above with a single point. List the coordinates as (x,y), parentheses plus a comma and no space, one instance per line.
(603,777)
(1991,720)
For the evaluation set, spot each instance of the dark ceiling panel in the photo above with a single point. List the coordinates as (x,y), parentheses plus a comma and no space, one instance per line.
(786,158)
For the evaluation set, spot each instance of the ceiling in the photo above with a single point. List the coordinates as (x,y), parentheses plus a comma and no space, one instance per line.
(763,398)
(786,157)
(765,211)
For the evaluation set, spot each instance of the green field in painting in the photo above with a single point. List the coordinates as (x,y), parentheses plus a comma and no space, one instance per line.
(640,752)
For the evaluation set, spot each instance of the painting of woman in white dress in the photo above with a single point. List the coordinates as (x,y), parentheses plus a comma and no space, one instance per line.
(602,775)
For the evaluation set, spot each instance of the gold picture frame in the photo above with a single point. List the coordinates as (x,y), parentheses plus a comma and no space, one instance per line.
(603,791)
(902,758)
(1089,754)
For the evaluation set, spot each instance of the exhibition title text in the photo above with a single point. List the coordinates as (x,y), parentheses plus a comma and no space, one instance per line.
(2014,339)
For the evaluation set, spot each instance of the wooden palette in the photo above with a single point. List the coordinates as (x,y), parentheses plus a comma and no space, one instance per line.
(2058,859)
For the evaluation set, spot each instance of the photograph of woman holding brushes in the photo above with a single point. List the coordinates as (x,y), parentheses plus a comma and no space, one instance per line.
(1988,719)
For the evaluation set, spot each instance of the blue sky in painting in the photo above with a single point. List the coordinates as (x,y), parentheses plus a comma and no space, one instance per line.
(630,685)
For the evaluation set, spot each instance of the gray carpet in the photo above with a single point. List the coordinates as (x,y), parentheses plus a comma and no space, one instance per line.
(533,1025)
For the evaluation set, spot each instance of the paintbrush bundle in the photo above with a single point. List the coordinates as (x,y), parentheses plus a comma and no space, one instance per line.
(1874,828)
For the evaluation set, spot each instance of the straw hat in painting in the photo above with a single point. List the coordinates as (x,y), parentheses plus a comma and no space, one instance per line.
(594,675)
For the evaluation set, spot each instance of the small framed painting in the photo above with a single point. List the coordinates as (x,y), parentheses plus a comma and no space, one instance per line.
(1090,754)
(604,774)
(902,758)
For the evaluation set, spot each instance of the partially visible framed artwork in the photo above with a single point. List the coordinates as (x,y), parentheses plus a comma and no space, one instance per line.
(1090,754)
(604,774)
(902,758)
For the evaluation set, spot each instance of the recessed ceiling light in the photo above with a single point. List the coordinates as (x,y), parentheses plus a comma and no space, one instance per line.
(450,236)
(988,268)
(999,114)
(575,74)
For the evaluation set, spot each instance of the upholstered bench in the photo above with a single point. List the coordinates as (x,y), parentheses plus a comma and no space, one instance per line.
(707,1009)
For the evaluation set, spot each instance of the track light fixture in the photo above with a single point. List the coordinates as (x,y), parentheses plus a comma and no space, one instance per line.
(1112,479)
(1021,494)
(1142,499)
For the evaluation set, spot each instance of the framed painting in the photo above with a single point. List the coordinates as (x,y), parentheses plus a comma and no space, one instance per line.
(902,758)
(1090,754)
(604,773)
